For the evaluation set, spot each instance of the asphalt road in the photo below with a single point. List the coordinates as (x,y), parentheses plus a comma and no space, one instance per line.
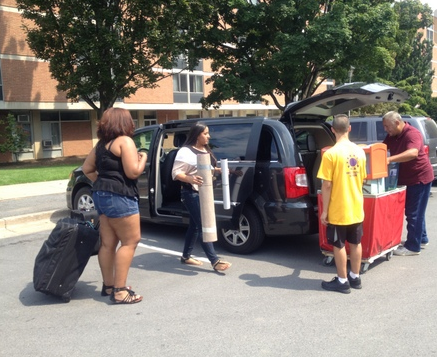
(270,303)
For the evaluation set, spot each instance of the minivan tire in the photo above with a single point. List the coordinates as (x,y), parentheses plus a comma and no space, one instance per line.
(248,237)
(83,200)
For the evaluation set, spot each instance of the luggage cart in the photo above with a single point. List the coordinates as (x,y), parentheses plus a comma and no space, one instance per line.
(382,227)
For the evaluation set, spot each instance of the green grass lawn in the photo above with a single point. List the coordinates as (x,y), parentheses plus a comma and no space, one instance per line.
(15,175)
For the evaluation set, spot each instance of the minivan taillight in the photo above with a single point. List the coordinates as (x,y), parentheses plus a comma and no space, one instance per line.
(296,182)
(426,149)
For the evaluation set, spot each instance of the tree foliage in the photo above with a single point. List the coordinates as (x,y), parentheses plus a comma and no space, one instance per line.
(288,48)
(104,50)
(412,71)
(12,136)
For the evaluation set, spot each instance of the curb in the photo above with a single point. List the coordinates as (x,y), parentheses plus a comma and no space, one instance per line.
(32,217)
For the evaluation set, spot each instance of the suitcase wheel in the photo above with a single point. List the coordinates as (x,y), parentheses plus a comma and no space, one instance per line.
(328,261)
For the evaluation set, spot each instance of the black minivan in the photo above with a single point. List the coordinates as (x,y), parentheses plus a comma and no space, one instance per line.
(273,166)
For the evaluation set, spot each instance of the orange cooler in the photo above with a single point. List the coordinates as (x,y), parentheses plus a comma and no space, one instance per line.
(376,161)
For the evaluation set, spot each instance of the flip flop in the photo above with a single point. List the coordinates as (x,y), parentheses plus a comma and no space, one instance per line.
(191,261)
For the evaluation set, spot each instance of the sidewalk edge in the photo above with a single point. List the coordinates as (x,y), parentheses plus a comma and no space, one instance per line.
(32,217)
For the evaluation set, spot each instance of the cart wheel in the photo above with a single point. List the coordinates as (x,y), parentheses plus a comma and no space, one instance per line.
(66,298)
(389,255)
(364,268)
(328,261)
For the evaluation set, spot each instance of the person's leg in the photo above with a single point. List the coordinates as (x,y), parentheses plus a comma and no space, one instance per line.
(424,239)
(194,231)
(107,249)
(355,253)
(127,229)
(424,203)
(415,207)
(340,257)
(191,201)
(209,250)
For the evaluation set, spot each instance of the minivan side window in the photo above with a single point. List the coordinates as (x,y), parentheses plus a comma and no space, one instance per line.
(143,139)
(358,131)
(267,149)
(229,141)
(380,132)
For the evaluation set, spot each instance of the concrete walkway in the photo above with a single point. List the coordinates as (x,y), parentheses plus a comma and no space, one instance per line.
(32,189)
(34,222)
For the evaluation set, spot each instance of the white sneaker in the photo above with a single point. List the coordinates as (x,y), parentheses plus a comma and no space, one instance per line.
(402,251)
(423,245)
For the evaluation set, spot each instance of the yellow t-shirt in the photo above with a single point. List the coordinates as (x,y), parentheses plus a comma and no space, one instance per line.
(345,166)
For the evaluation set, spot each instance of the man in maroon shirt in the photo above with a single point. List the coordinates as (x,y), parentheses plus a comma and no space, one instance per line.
(415,171)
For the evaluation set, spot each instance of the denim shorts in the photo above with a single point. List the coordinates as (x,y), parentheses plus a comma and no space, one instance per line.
(113,205)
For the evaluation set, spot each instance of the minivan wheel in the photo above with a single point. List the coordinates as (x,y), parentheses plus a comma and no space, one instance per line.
(248,237)
(83,200)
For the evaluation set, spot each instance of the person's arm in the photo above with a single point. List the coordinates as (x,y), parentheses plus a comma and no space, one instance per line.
(89,166)
(184,172)
(191,179)
(134,162)
(326,197)
(405,156)
(179,172)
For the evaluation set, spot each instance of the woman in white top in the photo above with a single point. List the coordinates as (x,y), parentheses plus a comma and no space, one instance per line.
(185,170)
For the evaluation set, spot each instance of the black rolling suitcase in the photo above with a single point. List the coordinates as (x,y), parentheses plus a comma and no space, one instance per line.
(92,218)
(63,257)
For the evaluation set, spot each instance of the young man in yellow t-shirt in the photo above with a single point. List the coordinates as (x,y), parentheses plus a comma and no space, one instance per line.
(342,171)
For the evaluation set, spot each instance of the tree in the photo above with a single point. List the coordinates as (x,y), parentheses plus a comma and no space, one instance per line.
(412,71)
(12,138)
(104,50)
(288,48)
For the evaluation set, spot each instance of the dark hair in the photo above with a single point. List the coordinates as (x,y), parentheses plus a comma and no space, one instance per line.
(197,129)
(115,122)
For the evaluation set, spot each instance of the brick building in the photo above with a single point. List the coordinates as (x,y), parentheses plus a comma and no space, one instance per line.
(56,127)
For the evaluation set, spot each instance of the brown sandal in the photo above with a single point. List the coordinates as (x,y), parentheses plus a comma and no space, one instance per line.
(191,261)
(107,289)
(221,265)
(130,298)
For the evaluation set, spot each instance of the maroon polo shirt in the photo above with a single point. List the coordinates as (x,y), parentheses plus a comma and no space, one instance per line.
(414,171)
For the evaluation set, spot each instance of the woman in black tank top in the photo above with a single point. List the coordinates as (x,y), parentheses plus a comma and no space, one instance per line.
(114,166)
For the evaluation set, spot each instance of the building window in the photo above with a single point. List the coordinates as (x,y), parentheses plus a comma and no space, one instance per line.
(68,115)
(225,113)
(430,34)
(187,87)
(51,135)
(149,117)
(23,120)
(148,122)
(75,115)
(181,63)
